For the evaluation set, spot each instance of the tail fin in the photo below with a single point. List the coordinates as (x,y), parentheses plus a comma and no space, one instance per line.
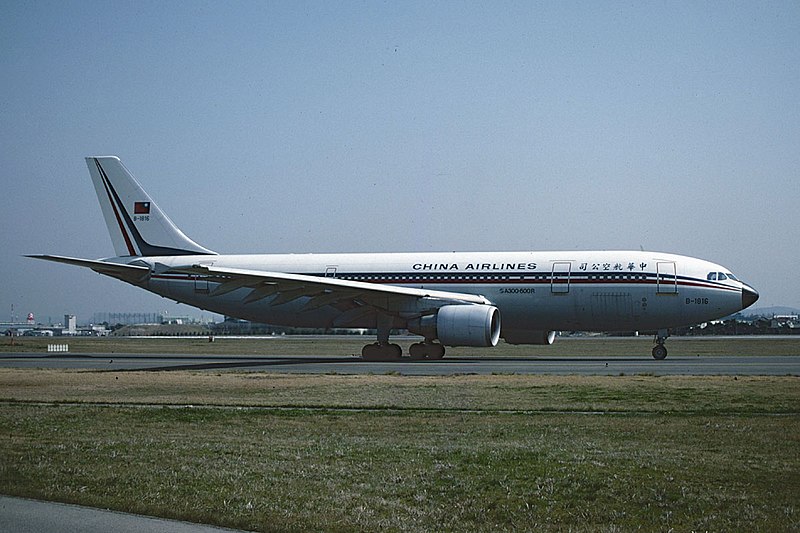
(136,224)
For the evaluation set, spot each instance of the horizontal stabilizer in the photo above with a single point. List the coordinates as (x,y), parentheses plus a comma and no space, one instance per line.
(129,273)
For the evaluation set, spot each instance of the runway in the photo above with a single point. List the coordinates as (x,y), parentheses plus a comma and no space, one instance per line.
(606,366)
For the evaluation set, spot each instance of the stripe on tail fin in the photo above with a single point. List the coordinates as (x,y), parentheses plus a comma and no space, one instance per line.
(136,224)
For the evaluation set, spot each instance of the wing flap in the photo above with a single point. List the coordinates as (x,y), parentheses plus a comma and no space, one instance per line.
(329,297)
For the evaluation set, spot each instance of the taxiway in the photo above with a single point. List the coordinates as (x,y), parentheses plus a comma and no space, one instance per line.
(612,365)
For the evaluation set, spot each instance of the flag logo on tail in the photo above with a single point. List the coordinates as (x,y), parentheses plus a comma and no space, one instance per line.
(141,208)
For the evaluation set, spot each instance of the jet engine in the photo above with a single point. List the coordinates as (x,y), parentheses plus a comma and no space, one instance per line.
(529,336)
(460,325)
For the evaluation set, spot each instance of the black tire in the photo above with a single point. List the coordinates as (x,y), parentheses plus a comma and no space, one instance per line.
(659,352)
(394,351)
(418,350)
(370,352)
(435,351)
(381,352)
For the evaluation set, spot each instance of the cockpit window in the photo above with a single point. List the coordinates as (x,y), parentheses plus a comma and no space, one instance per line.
(721,276)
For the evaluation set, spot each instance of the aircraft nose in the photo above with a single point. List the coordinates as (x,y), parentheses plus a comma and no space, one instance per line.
(749,296)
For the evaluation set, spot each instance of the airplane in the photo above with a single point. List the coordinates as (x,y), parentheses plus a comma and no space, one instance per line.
(449,299)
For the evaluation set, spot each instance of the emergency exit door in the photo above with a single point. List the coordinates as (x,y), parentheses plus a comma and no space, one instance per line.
(666,278)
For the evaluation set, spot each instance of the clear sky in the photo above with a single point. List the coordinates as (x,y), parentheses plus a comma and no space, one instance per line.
(401,126)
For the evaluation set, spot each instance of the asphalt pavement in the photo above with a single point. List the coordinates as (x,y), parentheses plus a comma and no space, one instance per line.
(606,366)
(21,515)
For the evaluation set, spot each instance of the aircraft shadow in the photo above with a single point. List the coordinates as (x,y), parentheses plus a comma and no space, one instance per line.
(195,362)
(539,359)
(291,361)
(250,363)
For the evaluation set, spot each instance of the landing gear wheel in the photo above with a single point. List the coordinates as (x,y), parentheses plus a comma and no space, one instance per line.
(370,351)
(435,351)
(426,350)
(659,352)
(418,350)
(381,352)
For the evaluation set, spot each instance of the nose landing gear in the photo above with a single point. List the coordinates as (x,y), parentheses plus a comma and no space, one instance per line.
(659,350)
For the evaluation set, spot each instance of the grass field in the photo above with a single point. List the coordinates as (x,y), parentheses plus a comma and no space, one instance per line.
(271,452)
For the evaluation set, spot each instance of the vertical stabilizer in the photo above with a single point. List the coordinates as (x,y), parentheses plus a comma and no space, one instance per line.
(136,224)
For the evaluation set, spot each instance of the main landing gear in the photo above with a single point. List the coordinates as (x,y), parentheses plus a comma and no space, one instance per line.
(392,352)
(426,350)
(659,350)
(383,350)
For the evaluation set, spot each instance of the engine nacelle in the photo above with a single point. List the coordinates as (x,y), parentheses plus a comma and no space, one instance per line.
(529,336)
(461,325)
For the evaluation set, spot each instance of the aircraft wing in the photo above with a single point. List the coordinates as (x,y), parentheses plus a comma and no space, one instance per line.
(129,273)
(328,291)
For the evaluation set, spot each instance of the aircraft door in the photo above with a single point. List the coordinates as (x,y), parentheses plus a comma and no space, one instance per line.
(200,284)
(330,271)
(666,279)
(559,280)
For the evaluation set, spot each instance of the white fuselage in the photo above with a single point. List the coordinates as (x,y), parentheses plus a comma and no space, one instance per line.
(450,299)
(580,290)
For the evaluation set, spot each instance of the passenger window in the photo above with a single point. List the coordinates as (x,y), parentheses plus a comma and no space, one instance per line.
(712,276)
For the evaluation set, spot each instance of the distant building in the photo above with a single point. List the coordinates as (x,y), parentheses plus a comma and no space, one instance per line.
(785,321)
(179,320)
(137,319)
(127,319)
